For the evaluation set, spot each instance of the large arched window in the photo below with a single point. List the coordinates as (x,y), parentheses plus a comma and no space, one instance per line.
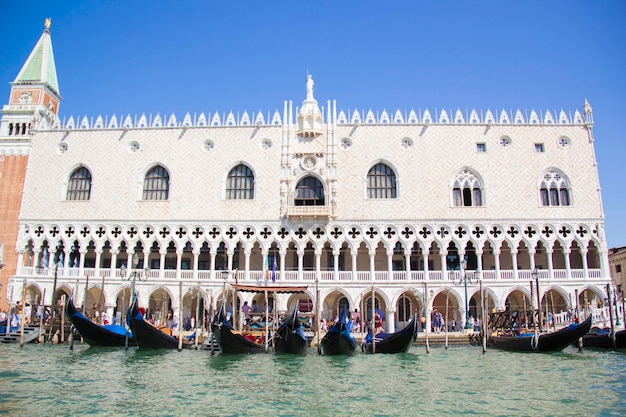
(309,192)
(240,183)
(554,190)
(79,186)
(381,182)
(467,190)
(156,185)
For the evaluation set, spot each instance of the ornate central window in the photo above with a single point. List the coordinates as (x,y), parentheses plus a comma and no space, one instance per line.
(309,192)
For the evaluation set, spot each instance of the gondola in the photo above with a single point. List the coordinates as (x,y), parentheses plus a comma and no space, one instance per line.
(94,334)
(396,342)
(232,342)
(149,336)
(604,339)
(290,337)
(338,340)
(545,342)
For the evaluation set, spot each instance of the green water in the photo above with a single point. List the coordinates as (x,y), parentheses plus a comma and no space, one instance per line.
(50,380)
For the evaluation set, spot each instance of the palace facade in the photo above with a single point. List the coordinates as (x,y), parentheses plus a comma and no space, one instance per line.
(417,207)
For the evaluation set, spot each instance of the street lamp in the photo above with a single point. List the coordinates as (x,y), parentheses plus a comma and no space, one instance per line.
(464,279)
(132,276)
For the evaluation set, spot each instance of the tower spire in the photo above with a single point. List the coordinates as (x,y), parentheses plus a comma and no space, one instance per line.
(34,100)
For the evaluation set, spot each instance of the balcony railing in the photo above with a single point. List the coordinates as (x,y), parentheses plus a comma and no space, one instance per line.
(309,211)
(173,275)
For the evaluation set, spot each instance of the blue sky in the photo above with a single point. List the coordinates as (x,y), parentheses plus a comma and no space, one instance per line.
(119,57)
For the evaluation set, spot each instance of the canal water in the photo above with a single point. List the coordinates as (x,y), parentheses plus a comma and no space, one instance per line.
(51,380)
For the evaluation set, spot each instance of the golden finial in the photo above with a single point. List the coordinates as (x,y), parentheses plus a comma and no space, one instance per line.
(48,22)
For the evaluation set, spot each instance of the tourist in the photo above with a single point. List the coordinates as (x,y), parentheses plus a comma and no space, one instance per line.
(157,317)
(255,307)
(378,323)
(27,312)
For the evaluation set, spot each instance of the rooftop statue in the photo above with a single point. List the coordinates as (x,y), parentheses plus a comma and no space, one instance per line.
(309,87)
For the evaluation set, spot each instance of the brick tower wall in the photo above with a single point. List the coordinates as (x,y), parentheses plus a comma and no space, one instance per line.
(12,173)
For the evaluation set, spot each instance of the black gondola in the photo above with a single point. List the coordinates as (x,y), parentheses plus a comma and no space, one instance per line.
(338,340)
(231,342)
(396,342)
(604,339)
(95,334)
(546,342)
(290,337)
(147,335)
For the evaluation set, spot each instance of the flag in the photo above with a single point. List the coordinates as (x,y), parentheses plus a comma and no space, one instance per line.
(265,267)
(274,269)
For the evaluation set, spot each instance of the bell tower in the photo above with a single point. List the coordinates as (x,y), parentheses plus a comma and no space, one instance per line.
(33,104)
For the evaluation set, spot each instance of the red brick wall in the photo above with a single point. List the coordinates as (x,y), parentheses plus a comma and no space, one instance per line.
(12,173)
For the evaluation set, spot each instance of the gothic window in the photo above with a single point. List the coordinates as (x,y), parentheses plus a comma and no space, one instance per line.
(467,190)
(156,185)
(79,186)
(554,190)
(309,192)
(240,183)
(381,182)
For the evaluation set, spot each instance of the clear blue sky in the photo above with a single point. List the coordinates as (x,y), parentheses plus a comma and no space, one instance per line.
(119,57)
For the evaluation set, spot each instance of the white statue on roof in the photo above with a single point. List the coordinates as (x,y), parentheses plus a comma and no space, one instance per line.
(309,87)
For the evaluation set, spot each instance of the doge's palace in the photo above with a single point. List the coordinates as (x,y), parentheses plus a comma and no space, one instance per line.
(409,205)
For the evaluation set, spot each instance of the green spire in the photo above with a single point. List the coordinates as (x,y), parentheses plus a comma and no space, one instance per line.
(39,67)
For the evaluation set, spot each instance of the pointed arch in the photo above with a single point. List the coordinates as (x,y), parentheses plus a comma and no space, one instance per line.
(554,189)
(240,183)
(309,192)
(381,182)
(79,185)
(467,189)
(156,184)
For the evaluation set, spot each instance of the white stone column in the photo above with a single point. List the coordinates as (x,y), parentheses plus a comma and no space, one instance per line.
(585,265)
(318,262)
(550,263)
(479,263)
(443,255)
(196,257)
(425,255)
(568,268)
(372,254)
(353,256)
(113,262)
(407,265)
(212,255)
(389,254)
(20,263)
(336,253)
(300,258)
(162,253)
(496,258)
(179,263)
(283,255)
(246,263)
(81,262)
(66,262)
(532,254)
(514,262)
(98,261)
